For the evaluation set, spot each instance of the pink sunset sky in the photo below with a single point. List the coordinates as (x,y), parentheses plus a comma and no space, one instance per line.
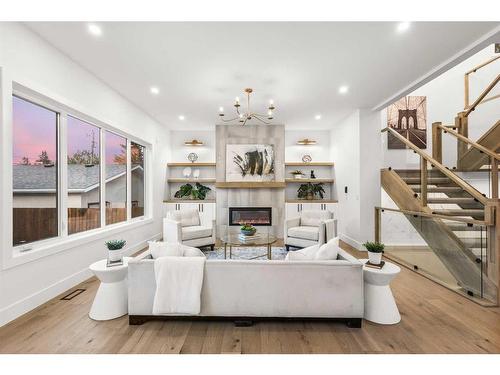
(35,131)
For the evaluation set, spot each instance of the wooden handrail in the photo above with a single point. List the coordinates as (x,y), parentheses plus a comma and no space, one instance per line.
(483,149)
(436,216)
(474,70)
(466,82)
(480,98)
(452,176)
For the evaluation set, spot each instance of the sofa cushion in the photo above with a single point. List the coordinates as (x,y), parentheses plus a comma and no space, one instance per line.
(196,231)
(304,232)
(192,252)
(164,249)
(327,251)
(187,217)
(314,218)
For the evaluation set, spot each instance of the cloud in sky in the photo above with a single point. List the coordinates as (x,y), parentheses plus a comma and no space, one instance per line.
(35,130)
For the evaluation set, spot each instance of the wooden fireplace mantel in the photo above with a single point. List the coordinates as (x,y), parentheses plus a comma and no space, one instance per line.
(250,185)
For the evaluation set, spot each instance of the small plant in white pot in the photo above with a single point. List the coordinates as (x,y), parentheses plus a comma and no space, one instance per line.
(114,249)
(375,250)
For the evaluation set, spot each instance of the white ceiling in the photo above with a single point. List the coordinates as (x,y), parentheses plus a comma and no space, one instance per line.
(202,66)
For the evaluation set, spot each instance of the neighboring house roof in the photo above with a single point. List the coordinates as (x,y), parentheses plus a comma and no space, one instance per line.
(37,178)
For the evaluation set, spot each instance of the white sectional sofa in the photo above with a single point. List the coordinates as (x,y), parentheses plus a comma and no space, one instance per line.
(248,290)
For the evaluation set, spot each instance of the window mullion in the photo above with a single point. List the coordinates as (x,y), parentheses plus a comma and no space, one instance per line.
(129,181)
(102,183)
(63,174)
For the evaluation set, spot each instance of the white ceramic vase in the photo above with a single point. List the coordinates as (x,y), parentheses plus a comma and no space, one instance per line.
(374,258)
(114,255)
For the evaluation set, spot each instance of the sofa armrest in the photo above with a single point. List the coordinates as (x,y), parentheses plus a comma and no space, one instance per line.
(306,253)
(290,223)
(172,231)
(344,255)
(214,229)
(331,229)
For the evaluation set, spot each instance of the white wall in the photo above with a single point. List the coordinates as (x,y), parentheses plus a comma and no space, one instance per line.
(319,152)
(179,151)
(345,151)
(30,61)
(357,152)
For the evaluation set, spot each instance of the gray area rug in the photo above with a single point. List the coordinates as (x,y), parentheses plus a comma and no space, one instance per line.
(246,253)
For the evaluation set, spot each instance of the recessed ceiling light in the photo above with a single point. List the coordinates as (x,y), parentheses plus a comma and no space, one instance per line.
(181,117)
(402,27)
(317,117)
(154,90)
(343,89)
(94,29)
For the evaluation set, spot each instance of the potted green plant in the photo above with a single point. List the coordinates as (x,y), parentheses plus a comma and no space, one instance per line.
(297,174)
(248,229)
(198,192)
(375,250)
(310,191)
(114,249)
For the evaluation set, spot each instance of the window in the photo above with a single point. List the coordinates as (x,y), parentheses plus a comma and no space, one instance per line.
(137,178)
(35,185)
(116,178)
(94,186)
(84,208)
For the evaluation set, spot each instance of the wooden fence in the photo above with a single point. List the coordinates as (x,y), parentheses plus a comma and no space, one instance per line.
(33,224)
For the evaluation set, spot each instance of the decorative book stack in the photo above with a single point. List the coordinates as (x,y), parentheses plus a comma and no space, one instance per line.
(244,238)
(376,266)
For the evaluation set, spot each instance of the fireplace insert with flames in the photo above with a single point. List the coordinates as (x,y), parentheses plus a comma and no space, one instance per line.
(258,216)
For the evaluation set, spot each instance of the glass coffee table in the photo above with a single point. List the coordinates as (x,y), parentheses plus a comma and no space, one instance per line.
(261,239)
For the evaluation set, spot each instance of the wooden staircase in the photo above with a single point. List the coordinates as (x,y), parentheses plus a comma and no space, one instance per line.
(459,224)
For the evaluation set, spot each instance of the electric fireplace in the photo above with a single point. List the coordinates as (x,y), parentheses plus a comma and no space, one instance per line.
(258,216)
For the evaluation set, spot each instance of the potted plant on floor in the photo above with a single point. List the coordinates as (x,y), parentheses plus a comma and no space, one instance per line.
(375,250)
(114,249)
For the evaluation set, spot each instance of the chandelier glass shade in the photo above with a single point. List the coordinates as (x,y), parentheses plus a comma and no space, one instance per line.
(243,116)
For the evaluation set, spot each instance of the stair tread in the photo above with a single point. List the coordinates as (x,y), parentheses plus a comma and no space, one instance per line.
(451,200)
(439,189)
(464,228)
(430,180)
(460,212)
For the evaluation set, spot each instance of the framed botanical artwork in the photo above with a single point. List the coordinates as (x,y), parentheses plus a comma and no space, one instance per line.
(408,116)
(249,162)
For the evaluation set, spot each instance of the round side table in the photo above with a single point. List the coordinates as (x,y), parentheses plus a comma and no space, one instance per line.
(380,306)
(111,299)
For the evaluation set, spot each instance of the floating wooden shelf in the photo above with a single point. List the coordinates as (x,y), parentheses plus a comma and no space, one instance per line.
(249,185)
(311,164)
(188,164)
(200,180)
(189,201)
(303,180)
(311,201)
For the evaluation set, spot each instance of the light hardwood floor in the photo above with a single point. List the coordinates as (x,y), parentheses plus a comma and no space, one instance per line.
(434,320)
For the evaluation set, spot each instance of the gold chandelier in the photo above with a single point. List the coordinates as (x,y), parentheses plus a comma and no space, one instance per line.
(243,117)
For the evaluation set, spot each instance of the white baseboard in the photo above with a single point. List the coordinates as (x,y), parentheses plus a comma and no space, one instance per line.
(352,242)
(29,303)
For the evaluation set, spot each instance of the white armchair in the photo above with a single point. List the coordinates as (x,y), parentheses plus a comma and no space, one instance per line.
(311,228)
(185,227)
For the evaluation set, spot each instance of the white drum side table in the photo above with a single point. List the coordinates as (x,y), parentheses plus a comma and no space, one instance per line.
(380,306)
(111,299)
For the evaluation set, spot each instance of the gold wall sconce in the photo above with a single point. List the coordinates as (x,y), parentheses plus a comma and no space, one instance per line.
(306,142)
(194,142)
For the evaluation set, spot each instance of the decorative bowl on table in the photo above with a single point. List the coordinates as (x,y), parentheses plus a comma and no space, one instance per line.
(248,230)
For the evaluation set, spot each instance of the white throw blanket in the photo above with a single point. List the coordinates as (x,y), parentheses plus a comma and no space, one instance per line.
(178,285)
